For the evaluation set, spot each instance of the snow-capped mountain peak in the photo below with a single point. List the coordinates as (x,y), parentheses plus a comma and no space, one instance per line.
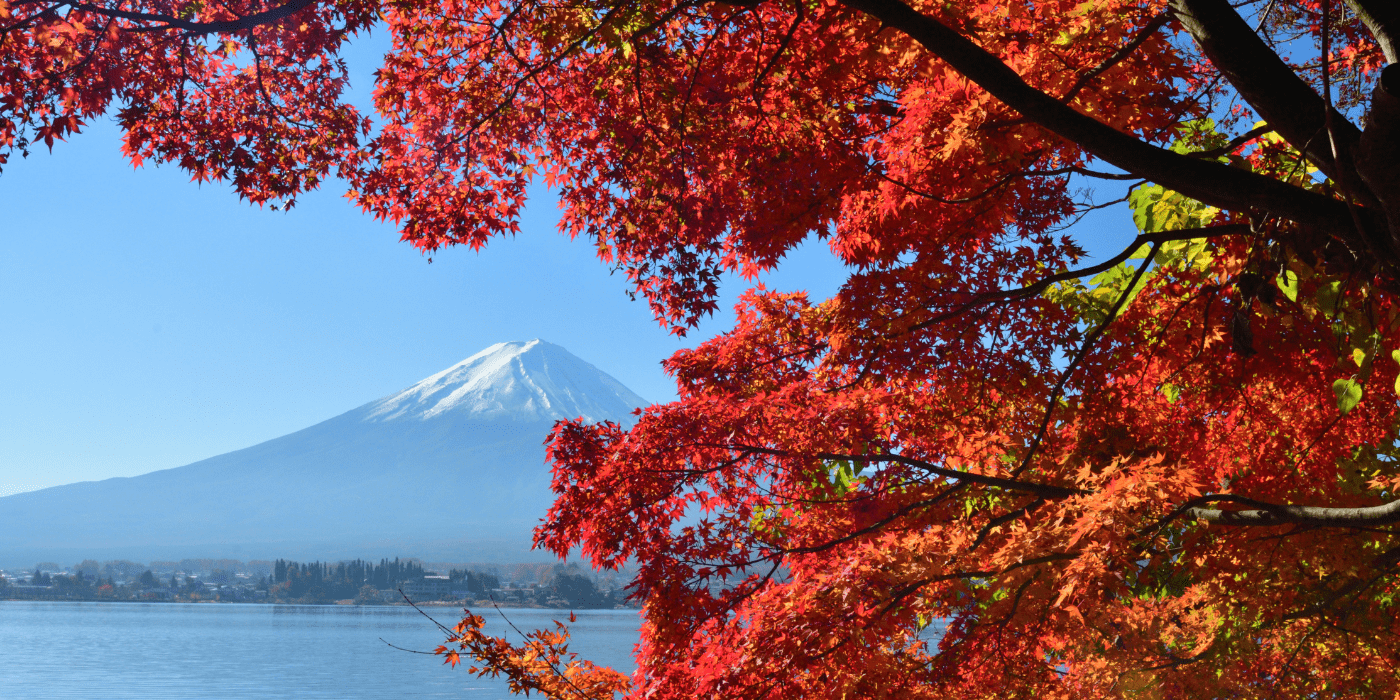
(452,467)
(523,381)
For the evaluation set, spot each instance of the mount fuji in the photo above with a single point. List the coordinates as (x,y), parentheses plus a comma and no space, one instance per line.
(451,468)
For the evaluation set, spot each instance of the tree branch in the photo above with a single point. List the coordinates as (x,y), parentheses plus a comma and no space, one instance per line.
(1266,514)
(1142,36)
(1212,183)
(1276,93)
(1039,286)
(1234,143)
(1380,147)
(236,26)
(1141,240)
(1042,490)
(1079,356)
(1382,17)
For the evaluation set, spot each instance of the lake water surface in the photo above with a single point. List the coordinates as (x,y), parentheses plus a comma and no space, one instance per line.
(229,651)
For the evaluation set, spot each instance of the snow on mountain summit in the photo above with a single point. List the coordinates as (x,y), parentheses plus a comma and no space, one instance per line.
(523,381)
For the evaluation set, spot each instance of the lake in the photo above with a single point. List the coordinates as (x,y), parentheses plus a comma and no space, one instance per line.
(228,651)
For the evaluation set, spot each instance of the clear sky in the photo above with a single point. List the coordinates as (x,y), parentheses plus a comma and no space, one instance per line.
(150,322)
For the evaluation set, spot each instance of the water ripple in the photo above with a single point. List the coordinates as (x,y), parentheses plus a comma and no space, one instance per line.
(192,651)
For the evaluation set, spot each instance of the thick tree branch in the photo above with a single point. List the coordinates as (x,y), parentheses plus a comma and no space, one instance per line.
(1378,159)
(1262,513)
(1212,183)
(242,24)
(1294,110)
(1382,17)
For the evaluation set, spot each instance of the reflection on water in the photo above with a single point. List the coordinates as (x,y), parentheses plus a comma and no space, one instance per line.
(167,650)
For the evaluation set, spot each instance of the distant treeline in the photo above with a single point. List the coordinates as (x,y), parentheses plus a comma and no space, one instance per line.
(355,573)
(287,581)
(361,579)
(41,585)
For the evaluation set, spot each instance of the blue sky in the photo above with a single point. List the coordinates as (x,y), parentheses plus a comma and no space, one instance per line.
(150,322)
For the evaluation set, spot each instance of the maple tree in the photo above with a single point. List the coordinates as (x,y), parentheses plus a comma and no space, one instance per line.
(986,467)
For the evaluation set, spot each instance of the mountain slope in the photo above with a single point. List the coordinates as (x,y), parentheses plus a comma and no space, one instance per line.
(451,468)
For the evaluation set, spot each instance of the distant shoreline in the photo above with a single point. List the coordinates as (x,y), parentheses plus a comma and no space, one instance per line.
(468,604)
(350,582)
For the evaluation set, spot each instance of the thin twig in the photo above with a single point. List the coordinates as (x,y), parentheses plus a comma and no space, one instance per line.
(420,612)
(1079,357)
(1039,286)
(411,651)
(1117,57)
(541,657)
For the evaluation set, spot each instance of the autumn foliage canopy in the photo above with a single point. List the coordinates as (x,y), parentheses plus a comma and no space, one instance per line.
(990,466)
